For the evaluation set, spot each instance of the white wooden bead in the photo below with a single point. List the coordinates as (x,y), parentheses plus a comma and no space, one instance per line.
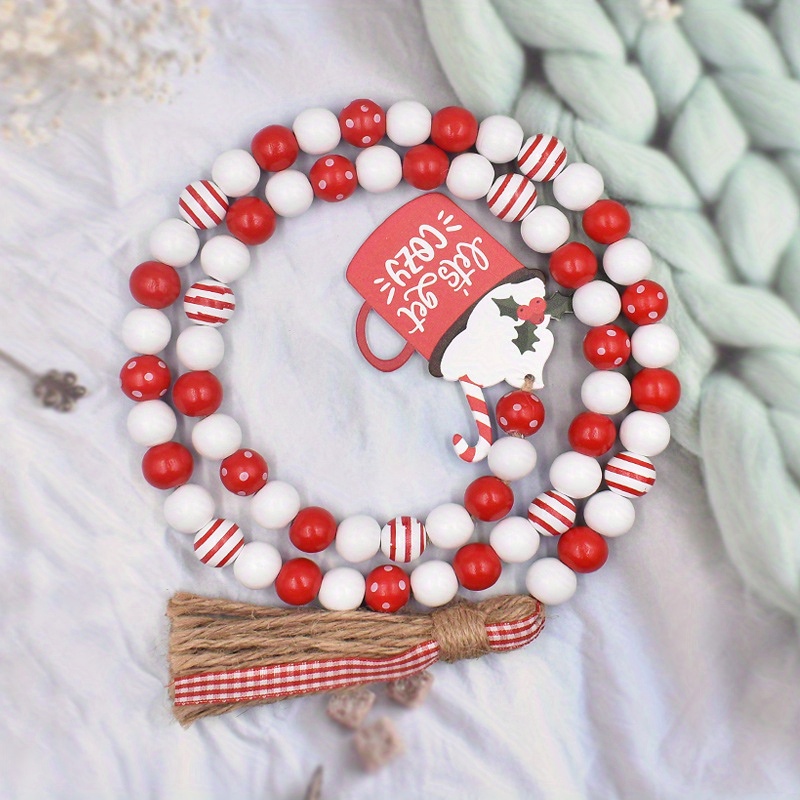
(655,345)
(630,474)
(470,176)
(596,303)
(449,526)
(146,331)
(289,193)
(342,589)
(275,506)
(216,436)
(514,539)
(606,392)
(200,347)
(174,242)
(499,138)
(408,123)
(552,513)
(511,458)
(225,258)
(609,514)
(434,583)
(236,173)
(403,539)
(218,543)
(550,581)
(151,422)
(512,197)
(257,565)
(379,169)
(545,229)
(203,204)
(644,433)
(189,508)
(317,131)
(209,302)
(358,538)
(578,187)
(627,261)
(575,474)
(542,157)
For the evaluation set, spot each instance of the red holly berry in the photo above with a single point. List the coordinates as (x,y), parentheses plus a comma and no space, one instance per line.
(388,588)
(606,221)
(606,347)
(298,581)
(425,166)
(197,394)
(454,129)
(572,265)
(644,302)
(250,220)
(488,499)
(244,472)
(167,465)
(313,529)
(582,549)
(155,284)
(592,434)
(520,413)
(274,148)
(144,378)
(534,312)
(333,178)
(477,566)
(655,390)
(363,123)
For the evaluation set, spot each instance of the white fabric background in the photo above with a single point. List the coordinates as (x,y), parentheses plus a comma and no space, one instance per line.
(662,678)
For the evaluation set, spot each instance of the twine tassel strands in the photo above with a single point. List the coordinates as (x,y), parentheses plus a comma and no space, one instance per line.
(225,655)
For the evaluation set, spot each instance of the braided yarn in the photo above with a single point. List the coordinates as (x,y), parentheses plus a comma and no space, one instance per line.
(692,114)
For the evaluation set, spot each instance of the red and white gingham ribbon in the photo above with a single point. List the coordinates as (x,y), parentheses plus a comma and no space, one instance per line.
(289,680)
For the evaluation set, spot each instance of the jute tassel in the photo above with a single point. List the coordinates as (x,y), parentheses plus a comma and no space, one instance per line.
(225,655)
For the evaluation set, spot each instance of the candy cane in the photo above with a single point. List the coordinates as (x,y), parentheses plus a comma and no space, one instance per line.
(480,413)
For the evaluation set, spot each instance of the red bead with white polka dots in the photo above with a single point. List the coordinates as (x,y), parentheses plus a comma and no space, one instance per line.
(333,178)
(145,378)
(244,472)
(606,347)
(363,123)
(388,588)
(645,302)
(520,413)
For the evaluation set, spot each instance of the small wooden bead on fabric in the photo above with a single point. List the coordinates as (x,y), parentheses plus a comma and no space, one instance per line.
(403,539)
(203,205)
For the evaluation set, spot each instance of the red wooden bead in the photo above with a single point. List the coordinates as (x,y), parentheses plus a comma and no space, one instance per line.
(363,123)
(644,302)
(425,166)
(477,566)
(655,390)
(274,148)
(155,284)
(167,465)
(572,265)
(298,581)
(333,178)
(582,549)
(454,129)
(197,394)
(488,499)
(592,434)
(250,220)
(606,221)
(607,346)
(244,472)
(144,378)
(388,588)
(520,412)
(313,529)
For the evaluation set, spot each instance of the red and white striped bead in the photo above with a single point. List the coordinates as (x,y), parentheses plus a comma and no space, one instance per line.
(218,543)
(630,474)
(209,302)
(512,197)
(403,539)
(203,204)
(552,513)
(542,157)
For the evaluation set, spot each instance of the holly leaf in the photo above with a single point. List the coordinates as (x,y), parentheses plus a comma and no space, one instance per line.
(558,305)
(526,337)
(508,307)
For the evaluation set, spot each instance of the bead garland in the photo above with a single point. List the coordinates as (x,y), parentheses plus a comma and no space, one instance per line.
(448,148)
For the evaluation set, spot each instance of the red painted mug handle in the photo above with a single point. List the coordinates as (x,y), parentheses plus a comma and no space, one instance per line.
(383,364)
